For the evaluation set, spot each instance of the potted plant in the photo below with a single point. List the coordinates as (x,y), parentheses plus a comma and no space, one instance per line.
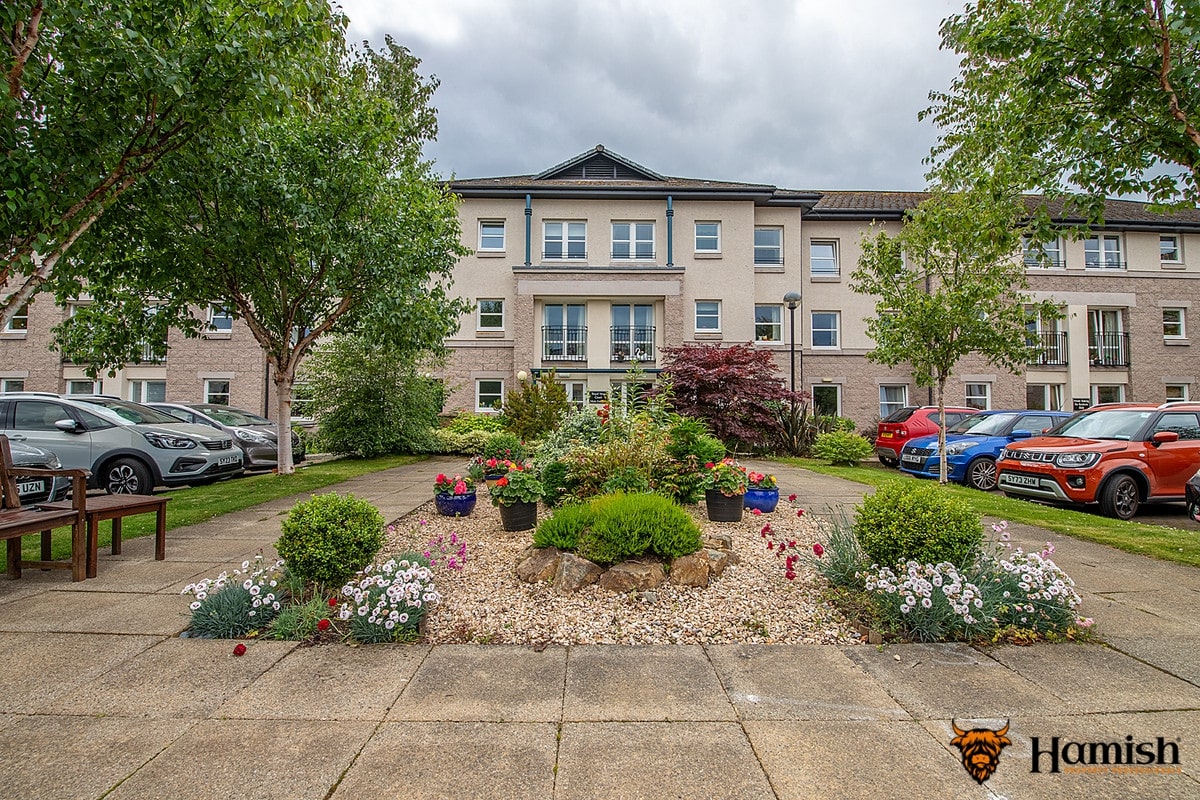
(762,492)
(489,470)
(516,494)
(724,484)
(454,497)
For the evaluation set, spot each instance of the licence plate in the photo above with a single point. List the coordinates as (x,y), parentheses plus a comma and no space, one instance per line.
(233,459)
(885,435)
(30,487)
(1020,480)
(911,459)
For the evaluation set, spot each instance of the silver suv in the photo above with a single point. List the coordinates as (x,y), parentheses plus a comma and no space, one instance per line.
(128,447)
(254,434)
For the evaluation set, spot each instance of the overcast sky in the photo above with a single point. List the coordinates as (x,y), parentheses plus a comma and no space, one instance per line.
(808,94)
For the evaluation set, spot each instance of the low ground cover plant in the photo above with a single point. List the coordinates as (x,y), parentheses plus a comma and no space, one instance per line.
(615,527)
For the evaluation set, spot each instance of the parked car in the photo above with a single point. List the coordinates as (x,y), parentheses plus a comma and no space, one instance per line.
(1117,455)
(38,489)
(974,444)
(129,448)
(254,434)
(909,422)
(1192,493)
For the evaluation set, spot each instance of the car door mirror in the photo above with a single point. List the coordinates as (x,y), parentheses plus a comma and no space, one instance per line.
(1160,437)
(1022,434)
(67,425)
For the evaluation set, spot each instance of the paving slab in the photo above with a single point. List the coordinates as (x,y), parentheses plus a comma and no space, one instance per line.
(40,667)
(126,573)
(175,678)
(1179,727)
(260,759)
(1115,617)
(455,761)
(486,684)
(953,680)
(76,611)
(1172,653)
(658,759)
(815,759)
(329,682)
(1092,678)
(1177,603)
(799,682)
(69,758)
(210,548)
(643,683)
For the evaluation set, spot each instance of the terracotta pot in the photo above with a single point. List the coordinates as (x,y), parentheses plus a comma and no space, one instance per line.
(518,516)
(455,505)
(722,508)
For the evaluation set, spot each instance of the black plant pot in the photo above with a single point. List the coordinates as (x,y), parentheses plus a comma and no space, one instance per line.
(518,516)
(722,508)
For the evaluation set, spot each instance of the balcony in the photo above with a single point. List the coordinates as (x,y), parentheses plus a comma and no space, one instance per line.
(632,344)
(572,253)
(564,344)
(1108,349)
(624,254)
(1051,348)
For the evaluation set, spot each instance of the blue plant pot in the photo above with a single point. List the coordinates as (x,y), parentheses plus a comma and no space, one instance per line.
(764,500)
(455,505)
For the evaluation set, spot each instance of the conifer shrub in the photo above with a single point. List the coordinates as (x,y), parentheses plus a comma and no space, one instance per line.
(629,525)
(846,448)
(329,538)
(562,529)
(917,521)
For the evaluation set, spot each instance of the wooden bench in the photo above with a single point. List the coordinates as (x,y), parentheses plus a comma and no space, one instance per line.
(16,521)
(115,507)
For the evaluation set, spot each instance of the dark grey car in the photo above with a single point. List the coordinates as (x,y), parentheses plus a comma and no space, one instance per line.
(38,489)
(254,434)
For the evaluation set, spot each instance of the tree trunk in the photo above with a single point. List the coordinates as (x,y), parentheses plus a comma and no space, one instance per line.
(284,378)
(941,399)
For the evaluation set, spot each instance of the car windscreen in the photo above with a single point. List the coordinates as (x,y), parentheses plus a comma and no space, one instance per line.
(130,412)
(232,416)
(1113,423)
(984,424)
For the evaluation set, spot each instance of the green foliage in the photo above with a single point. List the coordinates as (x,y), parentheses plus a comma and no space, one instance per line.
(534,408)
(579,428)
(918,521)
(368,401)
(627,479)
(297,622)
(225,614)
(629,525)
(466,422)
(642,450)
(842,447)
(562,529)
(799,427)
(843,559)
(690,437)
(516,486)
(504,445)
(468,443)
(556,481)
(327,539)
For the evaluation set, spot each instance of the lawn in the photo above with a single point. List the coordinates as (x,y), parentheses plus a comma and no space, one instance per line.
(1169,544)
(199,503)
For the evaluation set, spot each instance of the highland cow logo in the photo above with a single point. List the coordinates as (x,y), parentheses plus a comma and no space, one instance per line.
(980,749)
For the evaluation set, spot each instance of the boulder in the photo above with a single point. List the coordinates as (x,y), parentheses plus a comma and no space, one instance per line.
(718,541)
(631,576)
(573,573)
(690,570)
(538,564)
(717,560)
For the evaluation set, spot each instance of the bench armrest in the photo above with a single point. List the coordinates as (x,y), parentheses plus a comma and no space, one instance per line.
(38,472)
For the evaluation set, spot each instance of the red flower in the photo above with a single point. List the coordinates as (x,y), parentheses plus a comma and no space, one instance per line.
(756,511)
(491,462)
(441,478)
(791,576)
(770,545)
(792,498)
(818,550)
(766,528)
(502,482)
(800,512)
(240,650)
(709,465)
(323,625)
(333,602)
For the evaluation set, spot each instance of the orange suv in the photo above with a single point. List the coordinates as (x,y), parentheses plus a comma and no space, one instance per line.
(1118,455)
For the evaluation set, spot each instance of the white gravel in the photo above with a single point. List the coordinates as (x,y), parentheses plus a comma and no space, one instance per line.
(751,602)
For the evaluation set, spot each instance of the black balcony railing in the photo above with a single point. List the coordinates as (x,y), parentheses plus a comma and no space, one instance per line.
(1050,348)
(1092,262)
(569,254)
(632,343)
(768,258)
(563,343)
(1035,261)
(625,254)
(1108,349)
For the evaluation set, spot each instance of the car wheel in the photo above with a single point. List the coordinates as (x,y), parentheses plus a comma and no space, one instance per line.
(981,474)
(889,462)
(1193,510)
(1120,498)
(127,476)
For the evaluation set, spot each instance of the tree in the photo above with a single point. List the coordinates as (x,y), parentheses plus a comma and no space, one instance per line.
(949,284)
(324,219)
(98,93)
(1056,92)
(735,390)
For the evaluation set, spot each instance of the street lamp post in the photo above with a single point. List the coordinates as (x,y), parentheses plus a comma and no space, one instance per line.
(793,299)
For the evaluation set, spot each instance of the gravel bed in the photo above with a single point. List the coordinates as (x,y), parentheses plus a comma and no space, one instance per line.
(751,602)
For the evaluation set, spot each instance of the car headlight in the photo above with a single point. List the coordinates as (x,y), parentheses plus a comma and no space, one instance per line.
(251,436)
(169,442)
(1076,460)
(53,463)
(958,448)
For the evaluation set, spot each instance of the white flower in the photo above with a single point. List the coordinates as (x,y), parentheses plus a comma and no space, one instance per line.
(195,606)
(927,603)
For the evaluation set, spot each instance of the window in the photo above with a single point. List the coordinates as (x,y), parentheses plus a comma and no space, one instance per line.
(825,329)
(12,385)
(633,240)
(823,258)
(83,387)
(489,394)
(708,316)
(827,400)
(1041,254)
(708,237)
(220,319)
(979,395)
(564,334)
(1168,249)
(491,235)
(1174,323)
(768,245)
(576,392)
(38,415)
(19,322)
(565,240)
(892,398)
(490,315)
(768,323)
(1044,396)
(1184,423)
(1176,392)
(148,391)
(302,398)
(1108,393)
(632,333)
(216,392)
(1103,251)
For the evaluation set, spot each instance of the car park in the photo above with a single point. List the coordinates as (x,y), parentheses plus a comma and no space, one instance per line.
(255,435)
(974,444)
(909,422)
(129,448)
(1118,455)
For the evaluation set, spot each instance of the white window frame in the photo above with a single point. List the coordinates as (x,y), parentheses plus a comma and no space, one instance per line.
(12,385)
(714,314)
(1101,258)
(1184,392)
(82,386)
(837,389)
(715,238)
(480,313)
(1178,248)
(1031,253)
(573,389)
(564,240)
(1181,323)
(777,323)
(479,407)
(836,329)
(1095,392)
(301,401)
(979,392)
(887,406)
(211,390)
(216,311)
(765,249)
(1052,396)
(485,235)
(137,390)
(19,323)
(835,259)
(638,245)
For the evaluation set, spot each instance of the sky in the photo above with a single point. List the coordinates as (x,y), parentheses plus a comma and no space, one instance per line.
(801,94)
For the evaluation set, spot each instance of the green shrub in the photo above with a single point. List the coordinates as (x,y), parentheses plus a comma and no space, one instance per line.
(327,539)
(629,525)
(467,422)
(627,479)
(690,437)
(842,447)
(562,529)
(643,451)
(225,614)
(910,520)
(534,408)
(842,560)
(504,445)
(580,427)
(556,482)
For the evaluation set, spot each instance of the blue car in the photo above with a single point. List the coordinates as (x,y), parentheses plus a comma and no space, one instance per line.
(973,445)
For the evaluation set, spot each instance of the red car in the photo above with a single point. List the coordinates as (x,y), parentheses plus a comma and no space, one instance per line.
(908,423)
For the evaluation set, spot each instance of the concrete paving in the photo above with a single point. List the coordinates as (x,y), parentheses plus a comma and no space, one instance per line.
(103,699)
